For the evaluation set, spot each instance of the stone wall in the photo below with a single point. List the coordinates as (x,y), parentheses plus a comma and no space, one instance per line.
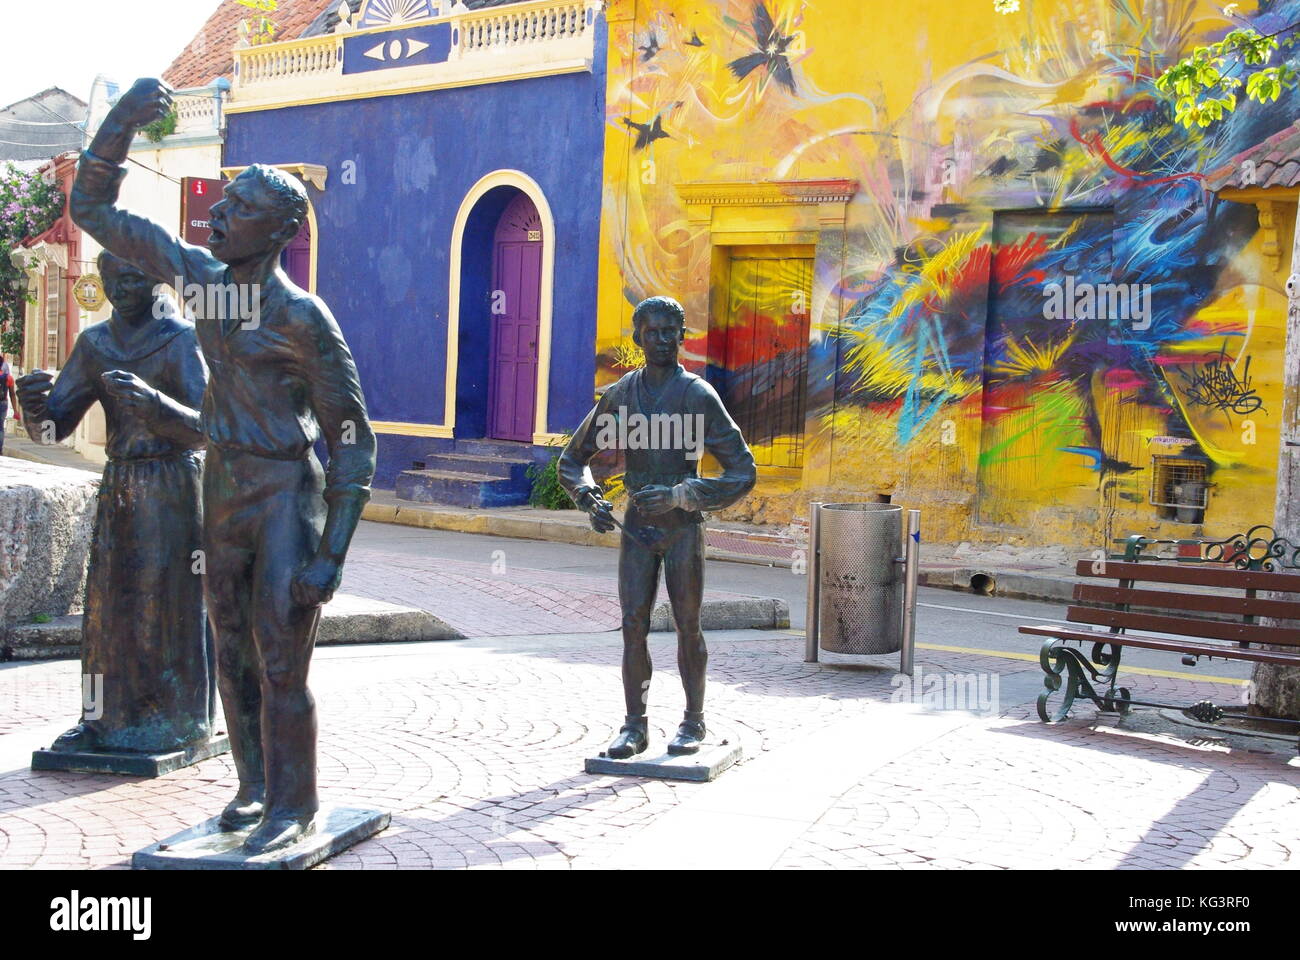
(46,515)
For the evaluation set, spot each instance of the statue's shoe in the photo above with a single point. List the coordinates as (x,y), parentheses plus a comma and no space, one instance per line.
(632,739)
(689,736)
(240,814)
(79,739)
(276,833)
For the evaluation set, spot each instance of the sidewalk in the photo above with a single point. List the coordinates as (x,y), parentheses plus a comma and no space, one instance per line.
(58,455)
(477,748)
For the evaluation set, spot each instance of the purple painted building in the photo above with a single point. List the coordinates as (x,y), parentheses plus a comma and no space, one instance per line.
(452,156)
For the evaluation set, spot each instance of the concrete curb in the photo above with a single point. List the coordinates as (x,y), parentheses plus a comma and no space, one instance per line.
(349,619)
(346,619)
(1005,583)
(730,613)
(577,531)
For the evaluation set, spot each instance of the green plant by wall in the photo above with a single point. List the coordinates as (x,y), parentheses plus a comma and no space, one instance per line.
(547,494)
(162,127)
(29,205)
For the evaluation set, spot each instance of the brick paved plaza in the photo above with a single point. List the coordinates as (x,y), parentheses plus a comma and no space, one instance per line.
(477,748)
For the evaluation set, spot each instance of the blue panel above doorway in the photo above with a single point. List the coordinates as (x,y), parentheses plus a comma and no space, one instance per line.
(416,46)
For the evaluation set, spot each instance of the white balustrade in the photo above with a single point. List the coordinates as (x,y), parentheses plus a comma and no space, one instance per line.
(312,57)
(523,38)
(485,31)
(198,110)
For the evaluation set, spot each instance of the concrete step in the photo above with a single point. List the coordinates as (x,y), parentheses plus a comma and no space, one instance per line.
(500,449)
(460,488)
(516,469)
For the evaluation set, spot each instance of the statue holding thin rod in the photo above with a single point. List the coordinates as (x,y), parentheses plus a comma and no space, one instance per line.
(663,527)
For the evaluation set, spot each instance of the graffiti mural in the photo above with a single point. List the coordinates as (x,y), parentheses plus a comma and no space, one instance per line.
(1031,292)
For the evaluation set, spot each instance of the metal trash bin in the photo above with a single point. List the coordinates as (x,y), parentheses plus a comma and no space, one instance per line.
(862,576)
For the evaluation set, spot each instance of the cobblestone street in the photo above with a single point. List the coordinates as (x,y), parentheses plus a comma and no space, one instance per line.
(477,748)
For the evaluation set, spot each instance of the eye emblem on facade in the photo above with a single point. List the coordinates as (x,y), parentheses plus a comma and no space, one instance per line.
(391,50)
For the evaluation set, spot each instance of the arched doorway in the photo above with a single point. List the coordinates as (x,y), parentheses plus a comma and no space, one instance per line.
(515,317)
(472,326)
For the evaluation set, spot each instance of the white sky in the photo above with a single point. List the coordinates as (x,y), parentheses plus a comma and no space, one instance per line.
(65,43)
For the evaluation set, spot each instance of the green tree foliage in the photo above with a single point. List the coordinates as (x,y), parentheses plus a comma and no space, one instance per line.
(259,29)
(1206,85)
(29,205)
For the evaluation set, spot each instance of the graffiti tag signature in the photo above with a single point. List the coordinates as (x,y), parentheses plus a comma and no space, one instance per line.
(1215,385)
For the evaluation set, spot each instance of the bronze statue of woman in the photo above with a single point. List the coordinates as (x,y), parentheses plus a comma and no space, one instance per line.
(144,630)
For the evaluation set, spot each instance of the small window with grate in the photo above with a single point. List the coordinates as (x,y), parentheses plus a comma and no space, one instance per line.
(1180,486)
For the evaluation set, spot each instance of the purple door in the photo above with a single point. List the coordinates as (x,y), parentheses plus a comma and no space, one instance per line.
(296,258)
(514,306)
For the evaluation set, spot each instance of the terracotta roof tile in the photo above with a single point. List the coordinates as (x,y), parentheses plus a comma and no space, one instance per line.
(1277,162)
(1285,174)
(209,55)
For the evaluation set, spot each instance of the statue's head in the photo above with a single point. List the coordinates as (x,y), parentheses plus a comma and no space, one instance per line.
(659,328)
(262,210)
(129,291)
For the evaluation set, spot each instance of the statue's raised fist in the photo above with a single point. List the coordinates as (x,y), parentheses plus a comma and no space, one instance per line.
(149,99)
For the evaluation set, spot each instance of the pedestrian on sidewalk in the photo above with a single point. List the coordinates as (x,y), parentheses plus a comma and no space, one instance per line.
(7,398)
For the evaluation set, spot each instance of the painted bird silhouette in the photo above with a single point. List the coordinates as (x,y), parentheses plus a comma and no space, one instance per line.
(772,46)
(695,40)
(648,133)
(650,49)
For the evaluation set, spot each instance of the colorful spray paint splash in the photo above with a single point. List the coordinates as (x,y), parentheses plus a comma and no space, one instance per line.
(1031,290)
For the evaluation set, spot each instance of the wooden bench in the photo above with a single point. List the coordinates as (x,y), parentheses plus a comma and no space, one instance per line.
(1225,626)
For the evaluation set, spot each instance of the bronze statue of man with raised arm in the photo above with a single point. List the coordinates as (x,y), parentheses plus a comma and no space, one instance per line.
(276,527)
(661,418)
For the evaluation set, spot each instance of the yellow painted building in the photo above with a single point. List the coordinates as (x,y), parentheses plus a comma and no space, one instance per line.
(957,258)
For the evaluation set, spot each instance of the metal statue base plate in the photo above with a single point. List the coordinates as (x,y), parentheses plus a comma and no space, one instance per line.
(129,764)
(701,767)
(206,847)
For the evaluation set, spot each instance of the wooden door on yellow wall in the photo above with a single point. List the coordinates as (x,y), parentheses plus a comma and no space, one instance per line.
(1044,437)
(758,349)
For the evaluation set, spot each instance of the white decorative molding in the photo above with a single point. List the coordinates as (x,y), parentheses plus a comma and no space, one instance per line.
(764,192)
(396,13)
(495,44)
(344,12)
(42,254)
(314,173)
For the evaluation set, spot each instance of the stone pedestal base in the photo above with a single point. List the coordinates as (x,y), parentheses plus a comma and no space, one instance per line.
(701,767)
(206,847)
(129,764)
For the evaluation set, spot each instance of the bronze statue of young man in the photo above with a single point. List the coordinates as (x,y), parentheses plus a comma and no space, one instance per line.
(276,528)
(143,631)
(663,524)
